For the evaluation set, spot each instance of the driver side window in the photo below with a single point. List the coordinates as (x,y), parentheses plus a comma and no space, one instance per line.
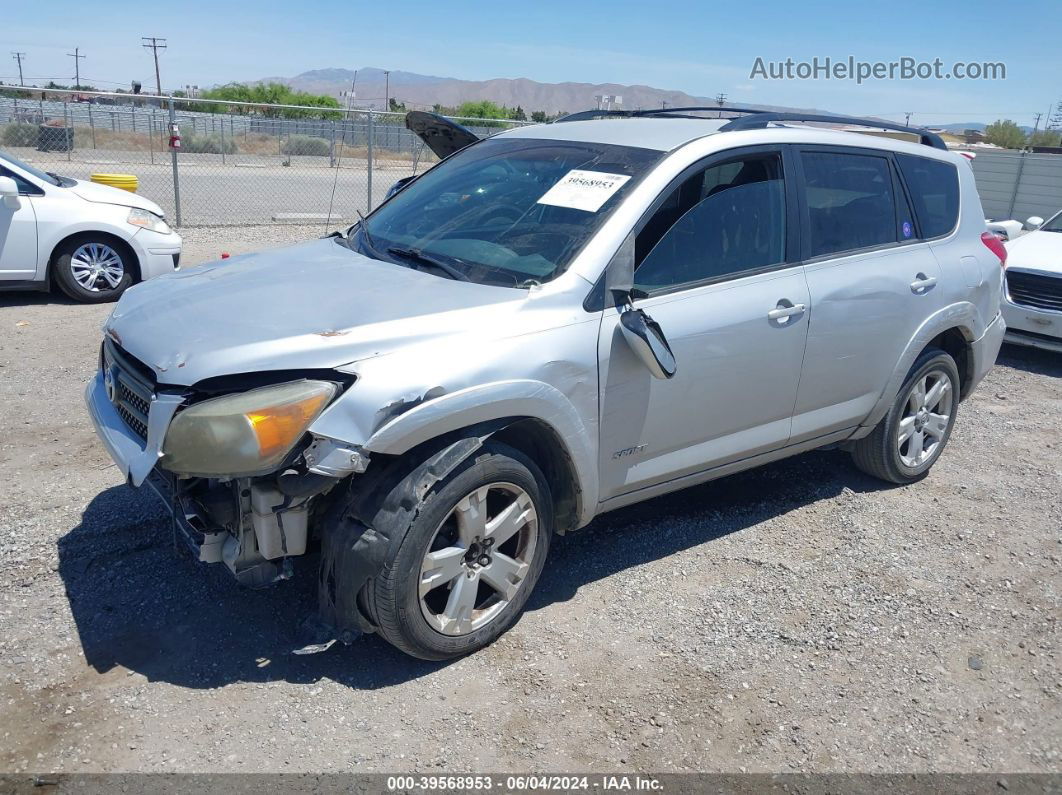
(724,220)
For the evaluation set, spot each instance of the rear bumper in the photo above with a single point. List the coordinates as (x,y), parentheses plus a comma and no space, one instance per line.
(985,350)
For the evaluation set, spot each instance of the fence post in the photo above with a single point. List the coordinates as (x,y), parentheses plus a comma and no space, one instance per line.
(332,148)
(222,142)
(368,157)
(176,178)
(151,135)
(1017,185)
(92,126)
(68,143)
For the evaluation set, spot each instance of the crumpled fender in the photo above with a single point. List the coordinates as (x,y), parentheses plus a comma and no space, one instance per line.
(402,425)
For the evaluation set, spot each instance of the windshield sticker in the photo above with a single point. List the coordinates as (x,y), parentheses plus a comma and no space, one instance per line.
(584,190)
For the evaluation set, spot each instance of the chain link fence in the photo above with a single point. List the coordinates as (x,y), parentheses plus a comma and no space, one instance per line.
(238,163)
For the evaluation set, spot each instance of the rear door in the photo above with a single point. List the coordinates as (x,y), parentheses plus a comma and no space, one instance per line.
(719,271)
(872,283)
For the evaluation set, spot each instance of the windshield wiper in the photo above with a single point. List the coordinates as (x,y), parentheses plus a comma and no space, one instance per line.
(415,255)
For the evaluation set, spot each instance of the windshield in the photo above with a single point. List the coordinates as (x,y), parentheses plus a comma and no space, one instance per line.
(7,159)
(505,211)
(1053,224)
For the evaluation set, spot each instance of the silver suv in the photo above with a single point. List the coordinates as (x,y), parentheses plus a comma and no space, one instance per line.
(554,322)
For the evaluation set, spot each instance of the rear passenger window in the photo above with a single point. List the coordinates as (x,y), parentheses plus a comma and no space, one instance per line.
(724,220)
(850,202)
(934,189)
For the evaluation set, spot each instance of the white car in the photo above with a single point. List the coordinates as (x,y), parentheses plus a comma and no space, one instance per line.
(92,241)
(1032,300)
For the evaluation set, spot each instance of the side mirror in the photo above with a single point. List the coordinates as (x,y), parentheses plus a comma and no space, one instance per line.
(9,193)
(1034,222)
(648,342)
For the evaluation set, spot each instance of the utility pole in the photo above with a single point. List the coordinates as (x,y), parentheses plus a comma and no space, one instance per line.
(907,118)
(1036,124)
(18,56)
(387,89)
(720,99)
(154,44)
(76,55)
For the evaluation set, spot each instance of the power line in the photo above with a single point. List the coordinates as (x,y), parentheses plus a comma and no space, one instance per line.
(76,55)
(18,56)
(155,44)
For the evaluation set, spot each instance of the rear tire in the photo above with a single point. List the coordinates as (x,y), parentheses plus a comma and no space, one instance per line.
(903,447)
(93,269)
(468,560)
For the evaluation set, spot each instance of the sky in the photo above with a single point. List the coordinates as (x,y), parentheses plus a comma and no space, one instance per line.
(702,48)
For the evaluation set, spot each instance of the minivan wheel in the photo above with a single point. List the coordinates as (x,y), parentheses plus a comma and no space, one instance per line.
(93,270)
(910,438)
(469,559)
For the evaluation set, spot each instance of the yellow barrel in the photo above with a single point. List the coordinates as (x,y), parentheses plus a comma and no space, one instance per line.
(127,182)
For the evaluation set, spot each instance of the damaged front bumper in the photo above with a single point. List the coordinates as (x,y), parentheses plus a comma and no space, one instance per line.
(133,455)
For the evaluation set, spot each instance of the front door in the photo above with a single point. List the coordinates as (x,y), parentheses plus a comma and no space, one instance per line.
(714,269)
(18,234)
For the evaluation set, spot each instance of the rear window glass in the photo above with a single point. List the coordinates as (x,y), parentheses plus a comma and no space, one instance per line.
(934,188)
(850,202)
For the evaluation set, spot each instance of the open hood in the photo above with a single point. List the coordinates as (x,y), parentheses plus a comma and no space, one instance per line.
(441,135)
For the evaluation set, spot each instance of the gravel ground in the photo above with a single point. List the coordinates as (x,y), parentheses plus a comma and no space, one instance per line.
(800,617)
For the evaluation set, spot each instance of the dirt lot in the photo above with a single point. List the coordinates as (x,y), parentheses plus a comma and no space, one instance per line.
(799,617)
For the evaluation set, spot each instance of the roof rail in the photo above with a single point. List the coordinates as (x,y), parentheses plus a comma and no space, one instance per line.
(761,120)
(754,119)
(677,113)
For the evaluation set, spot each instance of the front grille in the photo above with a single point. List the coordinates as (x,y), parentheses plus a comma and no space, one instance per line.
(133,388)
(1035,290)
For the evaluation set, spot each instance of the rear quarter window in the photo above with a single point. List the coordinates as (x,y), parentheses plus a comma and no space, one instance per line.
(934,189)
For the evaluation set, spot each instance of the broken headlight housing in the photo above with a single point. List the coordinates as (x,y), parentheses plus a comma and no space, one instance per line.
(249,433)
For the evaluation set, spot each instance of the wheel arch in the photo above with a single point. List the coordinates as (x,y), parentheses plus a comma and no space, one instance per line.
(953,329)
(93,234)
(532,416)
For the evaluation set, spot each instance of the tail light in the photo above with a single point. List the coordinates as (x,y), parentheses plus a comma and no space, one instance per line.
(995,245)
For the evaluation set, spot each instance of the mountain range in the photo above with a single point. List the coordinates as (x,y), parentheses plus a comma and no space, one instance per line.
(372,86)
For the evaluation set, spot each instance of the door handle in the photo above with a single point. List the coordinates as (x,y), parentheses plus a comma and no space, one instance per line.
(782,311)
(922,283)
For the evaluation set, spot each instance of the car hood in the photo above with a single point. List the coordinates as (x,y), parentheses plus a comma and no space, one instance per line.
(313,305)
(1040,251)
(105,194)
(442,136)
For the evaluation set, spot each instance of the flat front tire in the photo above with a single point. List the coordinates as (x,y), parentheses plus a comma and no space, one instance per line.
(469,558)
(903,447)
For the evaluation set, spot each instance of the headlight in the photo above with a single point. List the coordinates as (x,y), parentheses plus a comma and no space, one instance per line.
(148,220)
(245,434)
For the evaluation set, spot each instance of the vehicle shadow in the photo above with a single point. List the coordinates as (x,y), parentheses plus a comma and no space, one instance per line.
(1031,360)
(35,298)
(142,604)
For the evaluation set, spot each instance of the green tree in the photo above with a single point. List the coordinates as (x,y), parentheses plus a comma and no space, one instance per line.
(518,114)
(271,94)
(539,116)
(1005,133)
(396,106)
(1046,138)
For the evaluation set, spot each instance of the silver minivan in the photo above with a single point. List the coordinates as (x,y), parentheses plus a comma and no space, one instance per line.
(551,323)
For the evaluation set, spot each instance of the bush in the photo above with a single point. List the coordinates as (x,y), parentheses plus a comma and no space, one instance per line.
(305,145)
(207,144)
(20,135)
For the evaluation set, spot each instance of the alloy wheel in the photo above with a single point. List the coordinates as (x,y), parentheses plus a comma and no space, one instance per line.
(478,558)
(925,420)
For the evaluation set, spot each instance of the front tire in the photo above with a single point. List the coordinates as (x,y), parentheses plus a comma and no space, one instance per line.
(903,447)
(93,269)
(469,558)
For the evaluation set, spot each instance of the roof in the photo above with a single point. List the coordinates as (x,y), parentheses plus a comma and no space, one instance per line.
(660,133)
